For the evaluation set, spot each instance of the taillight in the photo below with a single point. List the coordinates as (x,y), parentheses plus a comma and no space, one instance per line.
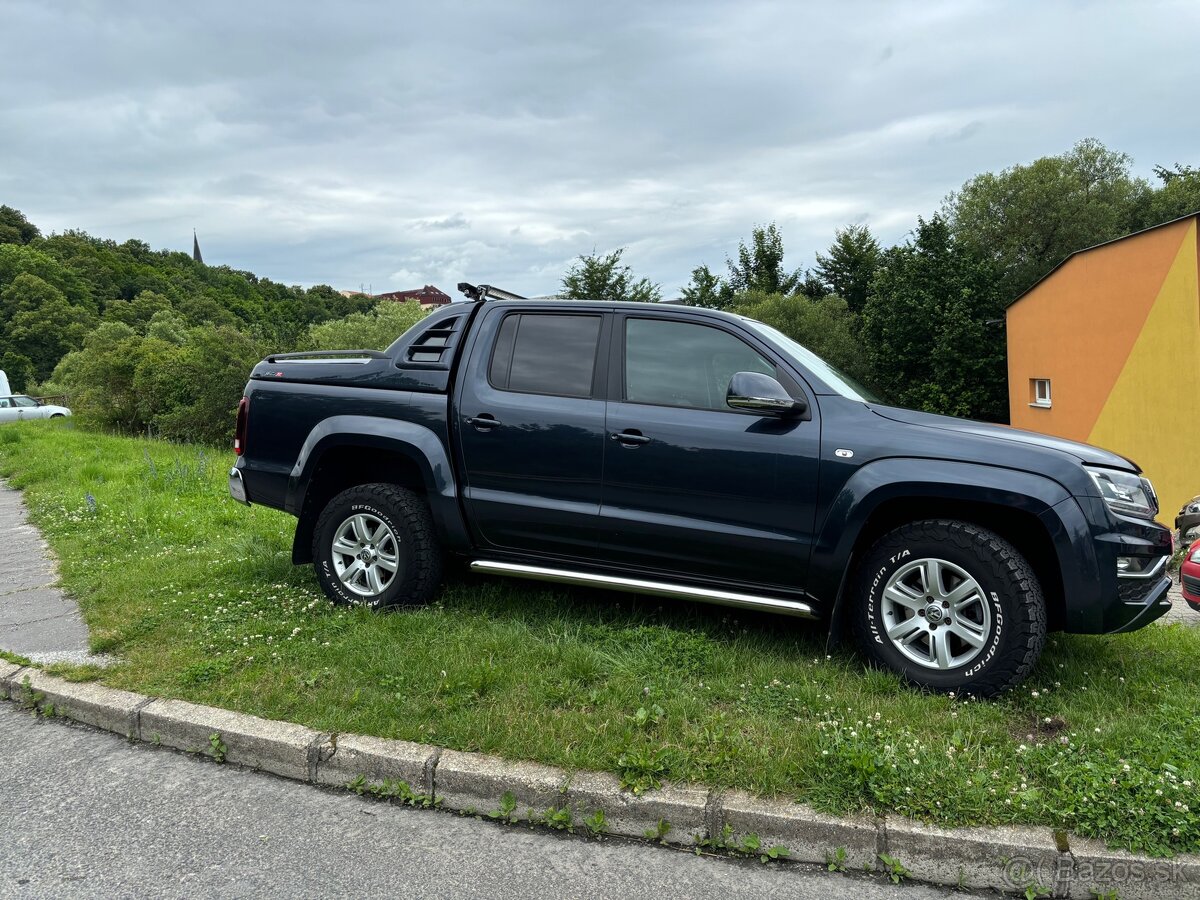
(239,430)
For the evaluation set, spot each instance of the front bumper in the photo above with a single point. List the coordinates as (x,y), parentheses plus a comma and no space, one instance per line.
(1125,583)
(1141,604)
(237,487)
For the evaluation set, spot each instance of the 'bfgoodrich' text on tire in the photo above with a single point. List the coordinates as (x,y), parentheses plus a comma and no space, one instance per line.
(950,606)
(374,545)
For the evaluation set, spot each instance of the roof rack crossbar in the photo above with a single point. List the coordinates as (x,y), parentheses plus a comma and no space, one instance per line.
(485,292)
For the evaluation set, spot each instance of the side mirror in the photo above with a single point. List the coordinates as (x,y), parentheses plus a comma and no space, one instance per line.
(762,394)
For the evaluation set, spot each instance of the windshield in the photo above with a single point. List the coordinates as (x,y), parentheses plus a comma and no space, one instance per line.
(839,381)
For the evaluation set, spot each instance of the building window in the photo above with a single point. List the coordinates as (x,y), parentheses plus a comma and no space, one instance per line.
(1039,392)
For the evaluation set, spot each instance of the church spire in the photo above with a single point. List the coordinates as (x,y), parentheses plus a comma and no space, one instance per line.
(196,248)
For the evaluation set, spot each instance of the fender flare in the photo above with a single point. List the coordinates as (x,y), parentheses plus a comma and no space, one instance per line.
(415,442)
(918,480)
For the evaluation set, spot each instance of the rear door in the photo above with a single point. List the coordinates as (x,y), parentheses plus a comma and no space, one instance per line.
(692,486)
(530,425)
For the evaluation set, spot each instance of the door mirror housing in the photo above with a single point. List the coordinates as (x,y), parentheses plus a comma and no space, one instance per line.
(762,394)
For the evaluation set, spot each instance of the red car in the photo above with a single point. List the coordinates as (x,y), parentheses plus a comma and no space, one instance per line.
(1189,575)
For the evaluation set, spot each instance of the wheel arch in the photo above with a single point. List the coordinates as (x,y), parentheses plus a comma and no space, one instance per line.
(346,451)
(1023,508)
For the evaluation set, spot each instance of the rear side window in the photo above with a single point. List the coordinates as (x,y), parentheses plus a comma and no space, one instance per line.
(540,353)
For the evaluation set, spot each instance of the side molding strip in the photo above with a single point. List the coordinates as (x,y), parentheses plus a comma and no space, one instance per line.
(638,586)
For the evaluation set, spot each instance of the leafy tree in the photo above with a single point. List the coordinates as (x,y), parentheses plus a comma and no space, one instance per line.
(596,277)
(139,311)
(759,266)
(19,369)
(99,377)
(930,326)
(850,265)
(1166,176)
(373,330)
(15,228)
(211,368)
(706,290)
(1178,196)
(42,326)
(1028,218)
(825,325)
(18,259)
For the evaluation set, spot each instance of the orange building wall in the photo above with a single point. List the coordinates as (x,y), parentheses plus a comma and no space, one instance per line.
(1117,331)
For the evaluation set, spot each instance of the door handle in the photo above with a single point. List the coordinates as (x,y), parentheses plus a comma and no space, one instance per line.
(631,437)
(484,421)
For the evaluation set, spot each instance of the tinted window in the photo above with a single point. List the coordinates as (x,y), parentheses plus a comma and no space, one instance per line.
(681,364)
(546,354)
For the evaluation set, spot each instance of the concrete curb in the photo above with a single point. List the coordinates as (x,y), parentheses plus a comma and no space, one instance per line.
(1003,859)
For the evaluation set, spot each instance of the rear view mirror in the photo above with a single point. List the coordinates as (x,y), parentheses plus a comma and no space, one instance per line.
(762,394)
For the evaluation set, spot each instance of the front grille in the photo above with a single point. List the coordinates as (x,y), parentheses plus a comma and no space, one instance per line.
(1191,584)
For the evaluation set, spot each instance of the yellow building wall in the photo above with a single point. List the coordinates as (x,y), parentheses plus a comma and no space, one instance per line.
(1152,414)
(1117,331)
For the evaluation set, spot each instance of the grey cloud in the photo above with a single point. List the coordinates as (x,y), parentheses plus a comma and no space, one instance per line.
(362,143)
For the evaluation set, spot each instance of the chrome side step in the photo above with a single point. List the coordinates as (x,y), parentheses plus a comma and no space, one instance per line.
(639,586)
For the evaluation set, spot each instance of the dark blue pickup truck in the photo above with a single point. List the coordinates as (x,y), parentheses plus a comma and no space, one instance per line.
(695,455)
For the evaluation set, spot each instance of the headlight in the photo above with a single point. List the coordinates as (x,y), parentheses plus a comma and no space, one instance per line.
(1125,492)
(1195,556)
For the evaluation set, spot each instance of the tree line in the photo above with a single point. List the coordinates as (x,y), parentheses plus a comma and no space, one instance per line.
(923,321)
(153,341)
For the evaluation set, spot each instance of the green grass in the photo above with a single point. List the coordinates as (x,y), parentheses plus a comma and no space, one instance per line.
(197,596)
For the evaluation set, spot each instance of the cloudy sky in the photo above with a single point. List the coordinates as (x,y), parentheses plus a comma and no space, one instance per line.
(397,144)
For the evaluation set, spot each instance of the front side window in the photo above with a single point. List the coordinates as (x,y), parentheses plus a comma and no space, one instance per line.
(682,364)
(539,353)
(24,401)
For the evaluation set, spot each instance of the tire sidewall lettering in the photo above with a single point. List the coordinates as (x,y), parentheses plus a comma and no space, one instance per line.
(874,616)
(325,564)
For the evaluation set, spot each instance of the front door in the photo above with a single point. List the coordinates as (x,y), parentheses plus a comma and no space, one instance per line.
(692,486)
(530,421)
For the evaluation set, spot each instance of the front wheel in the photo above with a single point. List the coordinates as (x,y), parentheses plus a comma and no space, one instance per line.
(950,606)
(375,546)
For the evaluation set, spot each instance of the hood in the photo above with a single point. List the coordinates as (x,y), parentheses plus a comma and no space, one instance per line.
(1083,452)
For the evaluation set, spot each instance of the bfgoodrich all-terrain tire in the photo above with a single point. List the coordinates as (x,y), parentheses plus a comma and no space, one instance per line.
(950,606)
(375,546)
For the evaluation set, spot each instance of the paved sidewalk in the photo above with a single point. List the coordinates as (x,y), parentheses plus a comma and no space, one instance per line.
(1180,611)
(36,619)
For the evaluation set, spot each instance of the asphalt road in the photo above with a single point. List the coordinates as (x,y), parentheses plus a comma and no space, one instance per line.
(87,814)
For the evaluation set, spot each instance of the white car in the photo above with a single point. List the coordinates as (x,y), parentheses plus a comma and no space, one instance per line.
(19,406)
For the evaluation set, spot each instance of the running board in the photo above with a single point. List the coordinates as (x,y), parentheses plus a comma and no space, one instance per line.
(638,586)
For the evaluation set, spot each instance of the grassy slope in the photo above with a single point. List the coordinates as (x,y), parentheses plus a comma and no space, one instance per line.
(197,594)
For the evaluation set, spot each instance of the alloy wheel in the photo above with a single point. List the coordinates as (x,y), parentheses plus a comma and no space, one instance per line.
(936,614)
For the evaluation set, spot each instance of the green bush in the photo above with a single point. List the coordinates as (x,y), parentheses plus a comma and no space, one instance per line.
(825,325)
(374,329)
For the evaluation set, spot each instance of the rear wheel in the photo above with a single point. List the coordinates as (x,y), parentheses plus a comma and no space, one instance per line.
(950,606)
(375,545)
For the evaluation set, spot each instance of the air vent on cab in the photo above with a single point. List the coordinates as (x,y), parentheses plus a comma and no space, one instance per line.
(434,346)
